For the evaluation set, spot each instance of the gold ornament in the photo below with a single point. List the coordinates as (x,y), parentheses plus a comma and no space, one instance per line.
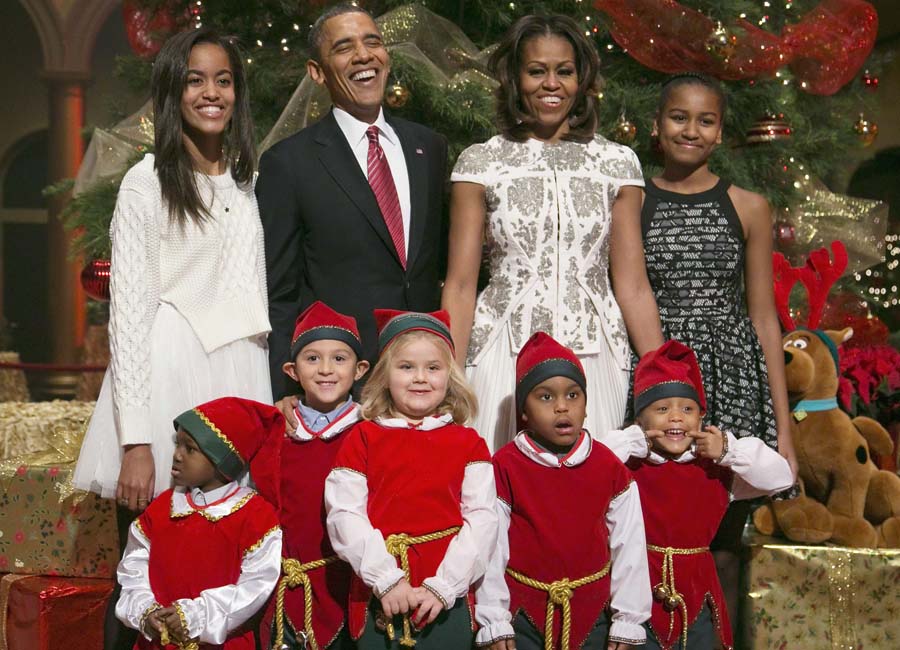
(397,95)
(768,129)
(660,592)
(866,130)
(721,43)
(670,604)
(624,131)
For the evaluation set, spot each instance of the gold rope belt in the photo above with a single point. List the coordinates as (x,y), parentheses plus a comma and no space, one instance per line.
(666,592)
(398,546)
(296,575)
(559,593)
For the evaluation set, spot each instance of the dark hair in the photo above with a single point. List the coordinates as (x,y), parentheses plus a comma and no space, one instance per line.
(314,38)
(513,120)
(173,163)
(692,79)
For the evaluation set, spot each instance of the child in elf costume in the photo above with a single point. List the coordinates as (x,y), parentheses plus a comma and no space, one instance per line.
(687,475)
(571,542)
(204,557)
(310,603)
(410,500)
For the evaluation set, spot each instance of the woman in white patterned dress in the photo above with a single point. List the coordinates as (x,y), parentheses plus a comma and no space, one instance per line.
(549,196)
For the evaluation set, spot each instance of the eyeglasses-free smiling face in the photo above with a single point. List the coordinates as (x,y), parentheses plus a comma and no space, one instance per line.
(418,378)
(326,370)
(353,65)
(675,417)
(207,102)
(554,413)
(548,84)
(690,125)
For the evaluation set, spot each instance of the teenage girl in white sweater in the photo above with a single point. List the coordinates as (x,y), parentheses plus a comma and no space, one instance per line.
(188,312)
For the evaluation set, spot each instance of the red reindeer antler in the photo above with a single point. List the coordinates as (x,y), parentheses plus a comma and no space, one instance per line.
(786,277)
(819,275)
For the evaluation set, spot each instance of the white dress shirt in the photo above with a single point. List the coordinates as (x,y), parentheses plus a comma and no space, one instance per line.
(354,131)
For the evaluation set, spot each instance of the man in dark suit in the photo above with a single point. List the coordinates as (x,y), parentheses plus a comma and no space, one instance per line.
(352,215)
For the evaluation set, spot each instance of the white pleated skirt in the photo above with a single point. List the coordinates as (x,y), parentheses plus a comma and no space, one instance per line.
(494,382)
(182,375)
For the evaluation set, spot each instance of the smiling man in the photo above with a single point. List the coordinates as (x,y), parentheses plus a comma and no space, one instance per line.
(351,206)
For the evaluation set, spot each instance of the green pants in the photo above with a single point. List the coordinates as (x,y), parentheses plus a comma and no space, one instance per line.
(451,629)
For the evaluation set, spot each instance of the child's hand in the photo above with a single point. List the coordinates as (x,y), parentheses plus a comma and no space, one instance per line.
(709,443)
(287,405)
(503,644)
(653,435)
(401,599)
(175,627)
(619,645)
(429,607)
(154,621)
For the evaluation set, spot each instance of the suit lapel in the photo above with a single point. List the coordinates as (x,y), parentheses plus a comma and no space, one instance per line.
(338,160)
(417,171)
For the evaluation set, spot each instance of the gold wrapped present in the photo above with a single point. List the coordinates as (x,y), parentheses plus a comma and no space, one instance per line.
(46,528)
(820,597)
(30,427)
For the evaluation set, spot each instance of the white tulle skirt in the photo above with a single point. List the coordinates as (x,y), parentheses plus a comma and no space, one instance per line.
(494,382)
(182,375)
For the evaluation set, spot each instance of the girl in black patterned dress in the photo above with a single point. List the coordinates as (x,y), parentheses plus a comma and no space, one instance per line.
(707,247)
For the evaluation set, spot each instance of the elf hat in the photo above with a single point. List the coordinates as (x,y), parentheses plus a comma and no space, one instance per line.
(237,433)
(318,322)
(669,371)
(541,358)
(391,323)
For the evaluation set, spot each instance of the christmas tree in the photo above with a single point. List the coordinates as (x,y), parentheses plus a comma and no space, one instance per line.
(796,75)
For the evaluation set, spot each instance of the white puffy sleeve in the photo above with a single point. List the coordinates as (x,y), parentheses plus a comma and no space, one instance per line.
(758,469)
(470,549)
(630,577)
(133,575)
(630,442)
(491,592)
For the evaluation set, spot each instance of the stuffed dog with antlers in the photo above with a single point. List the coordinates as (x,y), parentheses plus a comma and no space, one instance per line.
(844,497)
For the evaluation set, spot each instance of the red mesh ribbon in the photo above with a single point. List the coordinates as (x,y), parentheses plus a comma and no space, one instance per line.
(825,48)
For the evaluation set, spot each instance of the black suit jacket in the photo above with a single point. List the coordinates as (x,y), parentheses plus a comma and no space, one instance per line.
(326,239)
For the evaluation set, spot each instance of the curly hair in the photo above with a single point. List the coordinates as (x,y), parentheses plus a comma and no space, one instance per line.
(460,400)
(513,119)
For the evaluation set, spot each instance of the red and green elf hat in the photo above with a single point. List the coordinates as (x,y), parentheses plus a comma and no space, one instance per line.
(391,323)
(237,433)
(541,358)
(669,371)
(318,322)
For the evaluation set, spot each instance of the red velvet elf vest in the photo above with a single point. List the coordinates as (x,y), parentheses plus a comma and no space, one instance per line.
(191,553)
(683,504)
(415,487)
(558,530)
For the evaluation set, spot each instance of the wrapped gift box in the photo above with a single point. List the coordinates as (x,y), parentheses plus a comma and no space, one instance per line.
(47,529)
(30,427)
(820,597)
(51,613)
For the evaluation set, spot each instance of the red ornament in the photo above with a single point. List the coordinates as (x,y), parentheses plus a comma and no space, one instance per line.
(785,235)
(870,81)
(95,279)
(147,30)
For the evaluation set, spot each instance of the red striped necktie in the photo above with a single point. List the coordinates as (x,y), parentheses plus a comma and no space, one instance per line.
(382,183)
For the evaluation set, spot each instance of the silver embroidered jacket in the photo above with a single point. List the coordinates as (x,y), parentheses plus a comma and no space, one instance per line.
(547,233)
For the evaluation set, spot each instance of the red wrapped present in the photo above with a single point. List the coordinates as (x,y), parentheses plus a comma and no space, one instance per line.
(49,613)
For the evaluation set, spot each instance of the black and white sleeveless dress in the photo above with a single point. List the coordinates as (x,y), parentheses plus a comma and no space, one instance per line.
(694,250)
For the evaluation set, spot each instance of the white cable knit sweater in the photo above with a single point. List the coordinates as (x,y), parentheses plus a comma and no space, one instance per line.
(213,274)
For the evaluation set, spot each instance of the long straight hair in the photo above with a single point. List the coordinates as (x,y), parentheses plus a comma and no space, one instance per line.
(173,164)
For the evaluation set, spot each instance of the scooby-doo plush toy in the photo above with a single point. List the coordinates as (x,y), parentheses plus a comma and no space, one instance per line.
(846,498)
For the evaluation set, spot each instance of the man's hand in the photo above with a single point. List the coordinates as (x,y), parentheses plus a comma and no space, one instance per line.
(709,443)
(400,599)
